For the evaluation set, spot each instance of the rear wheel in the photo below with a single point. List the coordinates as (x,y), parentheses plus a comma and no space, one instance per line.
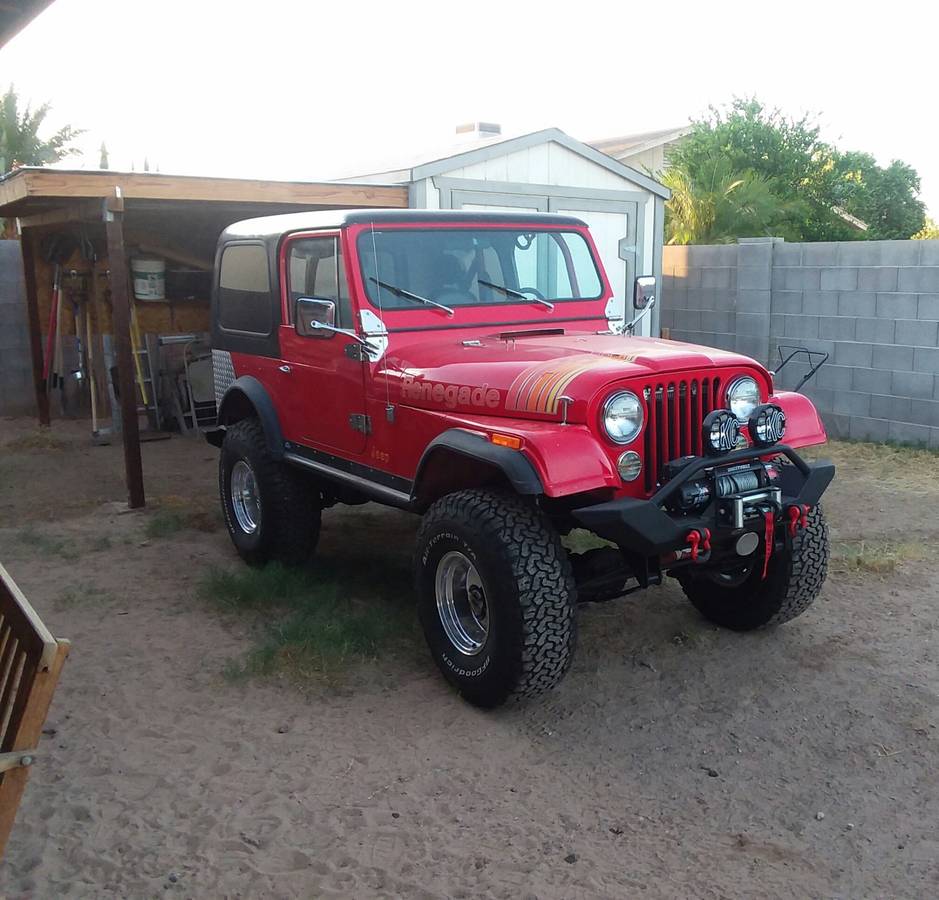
(272,511)
(741,599)
(496,596)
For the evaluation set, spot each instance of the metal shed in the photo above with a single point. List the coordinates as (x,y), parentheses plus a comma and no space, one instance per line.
(545,171)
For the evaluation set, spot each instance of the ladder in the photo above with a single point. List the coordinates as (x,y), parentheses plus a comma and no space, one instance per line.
(145,354)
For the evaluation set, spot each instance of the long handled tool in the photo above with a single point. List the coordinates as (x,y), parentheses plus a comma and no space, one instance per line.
(56,249)
(90,256)
(53,322)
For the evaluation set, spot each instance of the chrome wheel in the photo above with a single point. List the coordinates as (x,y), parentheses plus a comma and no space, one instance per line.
(461,603)
(245,499)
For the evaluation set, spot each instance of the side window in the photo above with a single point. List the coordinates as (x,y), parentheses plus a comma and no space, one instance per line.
(316,268)
(244,290)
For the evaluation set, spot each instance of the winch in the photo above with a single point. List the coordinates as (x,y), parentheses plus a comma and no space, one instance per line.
(739,491)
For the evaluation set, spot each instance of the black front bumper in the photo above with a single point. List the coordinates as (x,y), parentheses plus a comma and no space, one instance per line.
(647,528)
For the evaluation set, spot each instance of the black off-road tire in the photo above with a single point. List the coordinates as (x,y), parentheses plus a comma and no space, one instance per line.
(529,589)
(795,578)
(289,525)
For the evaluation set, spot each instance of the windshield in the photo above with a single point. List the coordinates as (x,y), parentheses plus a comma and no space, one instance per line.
(405,268)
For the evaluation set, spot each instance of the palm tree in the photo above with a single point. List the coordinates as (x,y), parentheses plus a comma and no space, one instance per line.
(716,205)
(20,144)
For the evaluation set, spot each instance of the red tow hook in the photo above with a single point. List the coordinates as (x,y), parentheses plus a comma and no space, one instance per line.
(700,543)
(798,518)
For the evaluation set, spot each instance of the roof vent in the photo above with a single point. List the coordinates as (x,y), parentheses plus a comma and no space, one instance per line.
(479,130)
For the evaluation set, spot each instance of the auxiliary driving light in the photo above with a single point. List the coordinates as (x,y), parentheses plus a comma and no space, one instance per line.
(629,465)
(721,431)
(767,425)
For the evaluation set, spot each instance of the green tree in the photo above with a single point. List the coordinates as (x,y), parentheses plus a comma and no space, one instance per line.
(929,231)
(20,144)
(814,182)
(717,204)
(884,198)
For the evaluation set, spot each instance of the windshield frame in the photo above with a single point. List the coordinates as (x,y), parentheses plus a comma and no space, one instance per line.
(363,233)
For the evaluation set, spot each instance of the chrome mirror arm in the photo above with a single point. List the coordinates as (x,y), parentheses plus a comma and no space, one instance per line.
(322,326)
(631,327)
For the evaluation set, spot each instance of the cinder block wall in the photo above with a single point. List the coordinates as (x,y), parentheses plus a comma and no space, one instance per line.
(872,305)
(16,373)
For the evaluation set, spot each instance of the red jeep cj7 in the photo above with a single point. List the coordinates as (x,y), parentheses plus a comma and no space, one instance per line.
(469,367)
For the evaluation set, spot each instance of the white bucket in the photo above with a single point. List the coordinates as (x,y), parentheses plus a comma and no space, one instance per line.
(149,277)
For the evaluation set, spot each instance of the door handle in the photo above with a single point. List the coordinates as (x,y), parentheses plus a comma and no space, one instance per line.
(285,369)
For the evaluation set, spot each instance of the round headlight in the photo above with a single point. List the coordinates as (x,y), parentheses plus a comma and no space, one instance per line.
(743,396)
(622,417)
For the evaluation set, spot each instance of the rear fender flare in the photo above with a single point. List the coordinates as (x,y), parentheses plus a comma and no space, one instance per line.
(246,396)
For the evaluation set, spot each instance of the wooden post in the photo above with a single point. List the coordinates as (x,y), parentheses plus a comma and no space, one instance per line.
(120,302)
(28,250)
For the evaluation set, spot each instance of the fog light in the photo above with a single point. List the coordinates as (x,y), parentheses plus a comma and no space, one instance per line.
(767,425)
(629,465)
(721,431)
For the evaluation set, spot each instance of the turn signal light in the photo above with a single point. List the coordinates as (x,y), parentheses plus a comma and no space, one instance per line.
(506,440)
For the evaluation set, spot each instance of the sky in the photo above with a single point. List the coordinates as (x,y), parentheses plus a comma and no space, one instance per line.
(312,90)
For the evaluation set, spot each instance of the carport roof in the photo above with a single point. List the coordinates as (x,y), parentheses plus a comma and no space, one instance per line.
(37,191)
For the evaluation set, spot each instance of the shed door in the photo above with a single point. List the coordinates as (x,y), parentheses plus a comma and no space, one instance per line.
(613,224)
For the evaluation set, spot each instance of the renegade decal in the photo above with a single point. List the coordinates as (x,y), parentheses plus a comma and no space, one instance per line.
(450,395)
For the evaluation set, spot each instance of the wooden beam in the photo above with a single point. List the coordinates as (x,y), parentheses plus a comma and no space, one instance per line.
(150,186)
(73,212)
(14,187)
(120,314)
(28,250)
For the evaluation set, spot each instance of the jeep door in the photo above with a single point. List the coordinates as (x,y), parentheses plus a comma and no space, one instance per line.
(321,380)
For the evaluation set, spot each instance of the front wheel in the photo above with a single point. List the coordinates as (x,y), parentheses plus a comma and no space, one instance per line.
(743,600)
(496,596)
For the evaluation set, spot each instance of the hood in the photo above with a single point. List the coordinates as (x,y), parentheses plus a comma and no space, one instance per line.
(526,373)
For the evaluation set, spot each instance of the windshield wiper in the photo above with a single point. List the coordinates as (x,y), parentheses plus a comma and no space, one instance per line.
(511,292)
(417,298)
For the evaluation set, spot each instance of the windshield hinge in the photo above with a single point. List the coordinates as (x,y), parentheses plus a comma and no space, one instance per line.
(360,422)
(358,352)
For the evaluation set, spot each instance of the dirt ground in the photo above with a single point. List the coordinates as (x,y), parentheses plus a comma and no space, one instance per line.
(676,760)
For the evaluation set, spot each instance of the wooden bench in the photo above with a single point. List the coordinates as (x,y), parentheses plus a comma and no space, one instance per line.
(31,660)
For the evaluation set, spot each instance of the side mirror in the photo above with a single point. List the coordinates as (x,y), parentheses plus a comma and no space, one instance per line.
(311,313)
(644,292)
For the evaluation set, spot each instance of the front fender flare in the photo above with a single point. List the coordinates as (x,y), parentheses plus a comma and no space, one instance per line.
(517,468)
(247,396)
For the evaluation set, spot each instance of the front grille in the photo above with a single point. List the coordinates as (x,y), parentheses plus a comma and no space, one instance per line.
(674,412)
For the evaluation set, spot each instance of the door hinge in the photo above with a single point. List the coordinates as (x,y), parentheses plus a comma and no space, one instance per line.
(358,352)
(361,422)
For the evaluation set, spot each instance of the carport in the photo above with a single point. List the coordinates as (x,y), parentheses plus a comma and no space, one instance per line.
(101,219)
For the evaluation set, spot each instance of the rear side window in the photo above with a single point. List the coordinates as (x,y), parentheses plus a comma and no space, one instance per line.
(244,290)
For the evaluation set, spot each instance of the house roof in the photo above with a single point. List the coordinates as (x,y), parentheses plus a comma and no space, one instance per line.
(16,15)
(630,144)
(437,162)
